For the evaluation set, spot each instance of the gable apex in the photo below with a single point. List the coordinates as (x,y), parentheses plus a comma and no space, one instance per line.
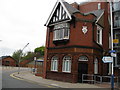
(59,3)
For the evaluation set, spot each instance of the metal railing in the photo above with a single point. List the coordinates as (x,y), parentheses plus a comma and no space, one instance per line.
(118,82)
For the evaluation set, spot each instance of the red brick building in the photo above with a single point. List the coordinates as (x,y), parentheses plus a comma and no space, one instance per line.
(77,38)
(24,63)
(8,61)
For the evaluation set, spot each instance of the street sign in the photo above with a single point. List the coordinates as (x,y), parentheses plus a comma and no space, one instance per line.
(34,58)
(115,41)
(107,59)
(112,51)
(113,54)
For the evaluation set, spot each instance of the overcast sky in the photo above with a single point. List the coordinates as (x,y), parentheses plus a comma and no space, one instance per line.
(22,22)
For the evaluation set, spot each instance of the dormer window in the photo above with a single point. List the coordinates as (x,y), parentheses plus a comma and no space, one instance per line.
(61,31)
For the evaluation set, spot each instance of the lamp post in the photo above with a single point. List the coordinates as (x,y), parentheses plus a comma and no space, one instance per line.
(20,57)
(112,74)
(35,64)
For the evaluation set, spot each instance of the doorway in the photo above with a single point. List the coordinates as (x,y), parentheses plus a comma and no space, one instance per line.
(82,69)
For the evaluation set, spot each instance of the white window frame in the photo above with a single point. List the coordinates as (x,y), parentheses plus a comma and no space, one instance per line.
(54,63)
(66,67)
(83,58)
(99,35)
(59,31)
(96,66)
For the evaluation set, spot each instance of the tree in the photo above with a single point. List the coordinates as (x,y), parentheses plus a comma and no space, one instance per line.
(40,50)
(16,55)
(28,56)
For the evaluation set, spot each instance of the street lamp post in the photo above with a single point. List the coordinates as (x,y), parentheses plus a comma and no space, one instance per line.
(112,74)
(20,57)
(35,65)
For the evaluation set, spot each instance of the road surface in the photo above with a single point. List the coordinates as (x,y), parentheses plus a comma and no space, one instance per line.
(10,82)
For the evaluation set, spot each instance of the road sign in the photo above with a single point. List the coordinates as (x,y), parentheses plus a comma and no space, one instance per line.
(35,59)
(112,51)
(115,41)
(107,59)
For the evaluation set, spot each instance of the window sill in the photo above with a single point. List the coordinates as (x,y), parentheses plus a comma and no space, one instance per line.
(66,71)
(54,71)
(99,44)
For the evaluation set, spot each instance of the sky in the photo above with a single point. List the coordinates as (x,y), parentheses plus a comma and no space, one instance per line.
(22,22)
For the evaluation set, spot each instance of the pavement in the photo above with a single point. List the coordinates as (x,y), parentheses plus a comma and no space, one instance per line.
(28,76)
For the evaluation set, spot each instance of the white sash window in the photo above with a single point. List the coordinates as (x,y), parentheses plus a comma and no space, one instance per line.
(54,63)
(66,64)
(99,35)
(96,66)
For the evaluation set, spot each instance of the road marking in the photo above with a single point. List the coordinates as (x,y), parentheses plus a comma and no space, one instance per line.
(30,81)
(12,75)
(49,86)
(55,85)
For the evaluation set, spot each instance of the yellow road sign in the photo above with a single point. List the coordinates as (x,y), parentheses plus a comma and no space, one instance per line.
(116,41)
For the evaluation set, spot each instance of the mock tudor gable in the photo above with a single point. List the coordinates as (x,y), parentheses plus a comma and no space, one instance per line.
(62,12)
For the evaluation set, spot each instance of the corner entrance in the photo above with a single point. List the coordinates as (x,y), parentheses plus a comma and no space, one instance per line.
(82,69)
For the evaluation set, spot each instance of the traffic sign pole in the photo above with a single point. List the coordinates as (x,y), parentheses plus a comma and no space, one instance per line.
(112,75)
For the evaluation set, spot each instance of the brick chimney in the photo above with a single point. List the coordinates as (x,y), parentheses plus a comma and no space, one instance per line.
(75,5)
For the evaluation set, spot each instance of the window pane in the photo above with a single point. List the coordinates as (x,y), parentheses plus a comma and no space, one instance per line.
(61,31)
(118,37)
(66,33)
(96,66)
(117,19)
(116,6)
(99,35)
(67,64)
(54,63)
(83,58)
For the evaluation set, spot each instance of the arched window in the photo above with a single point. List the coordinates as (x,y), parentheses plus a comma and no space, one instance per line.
(83,58)
(54,63)
(96,66)
(66,64)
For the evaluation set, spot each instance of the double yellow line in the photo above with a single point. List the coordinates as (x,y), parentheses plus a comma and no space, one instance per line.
(13,76)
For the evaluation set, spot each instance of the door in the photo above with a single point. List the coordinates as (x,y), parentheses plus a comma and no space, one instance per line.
(82,69)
